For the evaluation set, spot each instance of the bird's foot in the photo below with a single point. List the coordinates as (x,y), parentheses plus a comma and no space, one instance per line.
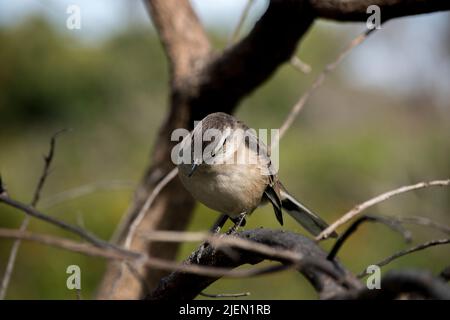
(215,230)
(239,221)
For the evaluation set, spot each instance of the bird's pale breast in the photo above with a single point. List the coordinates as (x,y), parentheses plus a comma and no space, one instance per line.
(228,188)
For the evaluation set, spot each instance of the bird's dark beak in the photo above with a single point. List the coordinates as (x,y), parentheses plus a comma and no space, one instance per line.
(194,166)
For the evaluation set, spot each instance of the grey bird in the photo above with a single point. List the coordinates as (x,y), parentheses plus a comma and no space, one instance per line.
(231,172)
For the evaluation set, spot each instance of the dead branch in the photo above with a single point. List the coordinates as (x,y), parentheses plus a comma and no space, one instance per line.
(66,244)
(84,234)
(402,253)
(224,241)
(295,110)
(24,225)
(382,197)
(152,262)
(423,221)
(325,276)
(48,158)
(225,295)
(405,284)
(84,190)
(391,223)
(298,64)
(148,203)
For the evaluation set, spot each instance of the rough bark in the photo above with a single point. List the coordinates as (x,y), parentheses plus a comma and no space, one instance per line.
(327,278)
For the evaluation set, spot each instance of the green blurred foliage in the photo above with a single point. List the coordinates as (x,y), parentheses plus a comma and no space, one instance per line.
(346,146)
(47,76)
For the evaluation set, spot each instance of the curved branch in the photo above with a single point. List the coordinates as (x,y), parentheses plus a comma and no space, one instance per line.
(326,277)
(82,233)
(391,223)
(403,284)
(241,68)
(402,253)
(371,202)
(24,225)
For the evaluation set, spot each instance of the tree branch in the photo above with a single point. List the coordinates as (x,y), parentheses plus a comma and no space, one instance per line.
(403,284)
(24,225)
(371,202)
(183,37)
(355,10)
(84,234)
(295,110)
(391,223)
(326,277)
(236,72)
(402,253)
(128,256)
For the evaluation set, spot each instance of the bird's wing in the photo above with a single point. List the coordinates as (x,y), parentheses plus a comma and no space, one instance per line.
(272,193)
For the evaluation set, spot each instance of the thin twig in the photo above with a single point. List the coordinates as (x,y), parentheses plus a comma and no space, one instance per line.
(298,64)
(24,225)
(46,171)
(84,234)
(219,241)
(424,222)
(137,221)
(383,197)
(153,262)
(135,272)
(402,253)
(12,260)
(66,244)
(84,190)
(225,295)
(241,21)
(391,223)
(319,81)
(148,203)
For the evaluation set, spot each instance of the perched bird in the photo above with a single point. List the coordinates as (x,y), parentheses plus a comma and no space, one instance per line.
(224,165)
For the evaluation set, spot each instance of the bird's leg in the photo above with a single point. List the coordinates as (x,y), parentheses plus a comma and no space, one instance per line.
(215,229)
(220,222)
(238,222)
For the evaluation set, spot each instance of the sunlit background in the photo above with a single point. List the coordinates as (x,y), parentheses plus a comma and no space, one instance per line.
(382,120)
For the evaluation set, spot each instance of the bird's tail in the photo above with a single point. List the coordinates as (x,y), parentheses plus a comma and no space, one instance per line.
(302,214)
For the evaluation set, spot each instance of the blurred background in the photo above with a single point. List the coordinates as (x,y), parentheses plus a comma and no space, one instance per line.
(382,120)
